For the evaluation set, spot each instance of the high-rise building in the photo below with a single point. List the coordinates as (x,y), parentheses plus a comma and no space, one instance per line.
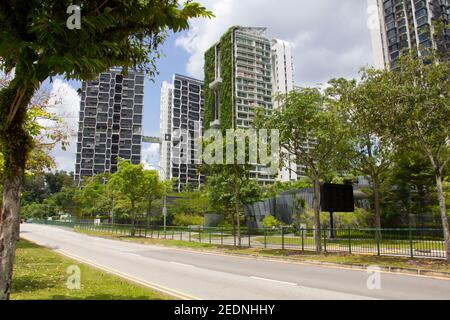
(238,79)
(410,24)
(110,122)
(181,126)
(166,105)
(283,83)
(282,69)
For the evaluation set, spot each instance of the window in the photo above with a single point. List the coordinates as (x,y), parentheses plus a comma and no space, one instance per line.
(216,105)
(218,58)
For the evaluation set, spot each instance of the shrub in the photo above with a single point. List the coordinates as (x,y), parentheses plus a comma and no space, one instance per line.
(184,220)
(270,222)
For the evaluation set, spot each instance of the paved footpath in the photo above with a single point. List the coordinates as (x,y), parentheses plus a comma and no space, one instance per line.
(196,275)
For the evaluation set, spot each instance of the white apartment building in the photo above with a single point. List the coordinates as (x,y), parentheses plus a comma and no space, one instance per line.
(283,82)
(166,104)
(282,69)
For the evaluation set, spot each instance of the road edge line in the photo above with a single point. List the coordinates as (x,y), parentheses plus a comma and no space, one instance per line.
(145,283)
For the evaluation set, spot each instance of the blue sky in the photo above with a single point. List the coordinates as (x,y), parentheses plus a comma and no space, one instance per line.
(173,61)
(331,39)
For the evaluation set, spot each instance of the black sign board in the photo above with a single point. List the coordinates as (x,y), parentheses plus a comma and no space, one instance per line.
(337,198)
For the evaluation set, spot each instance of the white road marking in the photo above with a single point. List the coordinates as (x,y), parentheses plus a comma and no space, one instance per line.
(182,264)
(277,281)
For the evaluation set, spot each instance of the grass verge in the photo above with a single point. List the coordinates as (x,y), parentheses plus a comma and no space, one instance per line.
(41,274)
(295,255)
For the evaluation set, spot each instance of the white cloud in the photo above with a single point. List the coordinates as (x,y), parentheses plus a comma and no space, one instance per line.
(67,108)
(331,37)
(150,155)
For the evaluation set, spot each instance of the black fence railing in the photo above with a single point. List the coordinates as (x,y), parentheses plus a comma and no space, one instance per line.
(392,242)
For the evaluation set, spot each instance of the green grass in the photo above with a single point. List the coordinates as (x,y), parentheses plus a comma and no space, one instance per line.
(41,274)
(295,255)
(142,240)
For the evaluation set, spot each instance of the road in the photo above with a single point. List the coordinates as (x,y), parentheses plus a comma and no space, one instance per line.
(195,275)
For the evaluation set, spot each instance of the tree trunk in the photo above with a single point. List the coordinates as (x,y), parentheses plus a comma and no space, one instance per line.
(316,200)
(15,143)
(376,202)
(238,224)
(149,211)
(10,219)
(234,228)
(443,210)
(133,219)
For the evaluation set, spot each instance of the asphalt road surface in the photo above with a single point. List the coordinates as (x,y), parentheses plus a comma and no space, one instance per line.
(194,275)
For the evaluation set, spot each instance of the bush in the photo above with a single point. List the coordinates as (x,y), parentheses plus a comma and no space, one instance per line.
(270,222)
(184,220)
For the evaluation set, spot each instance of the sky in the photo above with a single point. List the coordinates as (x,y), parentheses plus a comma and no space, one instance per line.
(330,38)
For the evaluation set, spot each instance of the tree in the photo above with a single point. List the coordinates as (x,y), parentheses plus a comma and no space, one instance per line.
(229,185)
(55,181)
(191,203)
(414,191)
(418,116)
(94,198)
(129,181)
(152,190)
(307,116)
(36,44)
(230,188)
(373,154)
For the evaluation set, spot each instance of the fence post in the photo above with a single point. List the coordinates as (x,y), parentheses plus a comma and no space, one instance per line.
(265,238)
(209,235)
(181,234)
(349,240)
(249,238)
(282,238)
(303,239)
(325,239)
(189,234)
(199,235)
(411,246)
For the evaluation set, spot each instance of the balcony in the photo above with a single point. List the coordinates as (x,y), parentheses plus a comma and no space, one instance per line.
(215,85)
(215,124)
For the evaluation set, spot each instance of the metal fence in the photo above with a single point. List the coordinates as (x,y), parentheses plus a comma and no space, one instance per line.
(391,242)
